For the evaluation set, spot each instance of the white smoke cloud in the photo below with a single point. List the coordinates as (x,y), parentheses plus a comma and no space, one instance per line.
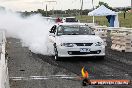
(32,31)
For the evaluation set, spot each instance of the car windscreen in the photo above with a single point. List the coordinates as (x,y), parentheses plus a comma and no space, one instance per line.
(74,30)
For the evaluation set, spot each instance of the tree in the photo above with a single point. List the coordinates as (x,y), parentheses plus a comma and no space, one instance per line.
(105,4)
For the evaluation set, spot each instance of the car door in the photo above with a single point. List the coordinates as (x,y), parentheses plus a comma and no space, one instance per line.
(51,40)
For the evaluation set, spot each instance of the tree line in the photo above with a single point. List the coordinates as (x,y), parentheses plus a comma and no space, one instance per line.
(70,12)
(73,12)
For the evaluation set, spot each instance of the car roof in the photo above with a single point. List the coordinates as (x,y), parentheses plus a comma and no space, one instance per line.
(72,24)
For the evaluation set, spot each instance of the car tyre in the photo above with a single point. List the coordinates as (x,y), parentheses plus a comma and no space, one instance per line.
(56,53)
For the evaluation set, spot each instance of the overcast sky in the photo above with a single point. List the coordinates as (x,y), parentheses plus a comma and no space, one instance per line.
(22,5)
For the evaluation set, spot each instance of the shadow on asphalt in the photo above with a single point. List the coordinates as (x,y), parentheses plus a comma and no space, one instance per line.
(69,59)
(81,59)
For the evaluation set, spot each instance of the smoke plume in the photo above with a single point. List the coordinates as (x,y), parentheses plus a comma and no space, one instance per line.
(32,31)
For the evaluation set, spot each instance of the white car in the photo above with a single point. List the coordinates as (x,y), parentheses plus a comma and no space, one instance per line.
(74,39)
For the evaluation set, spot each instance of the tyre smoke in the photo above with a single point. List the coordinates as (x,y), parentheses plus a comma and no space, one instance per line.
(32,31)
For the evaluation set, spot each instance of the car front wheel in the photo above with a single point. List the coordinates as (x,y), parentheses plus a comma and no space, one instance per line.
(56,53)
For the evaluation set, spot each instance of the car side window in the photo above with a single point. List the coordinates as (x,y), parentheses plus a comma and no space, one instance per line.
(53,29)
(60,30)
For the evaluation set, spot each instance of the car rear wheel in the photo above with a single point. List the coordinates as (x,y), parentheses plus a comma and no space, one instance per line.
(56,53)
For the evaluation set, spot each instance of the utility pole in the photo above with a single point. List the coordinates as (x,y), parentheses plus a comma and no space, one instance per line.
(46,11)
(93,9)
(81,8)
(47,7)
(131,5)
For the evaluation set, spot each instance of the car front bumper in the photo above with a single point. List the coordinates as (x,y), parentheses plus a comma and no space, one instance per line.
(75,51)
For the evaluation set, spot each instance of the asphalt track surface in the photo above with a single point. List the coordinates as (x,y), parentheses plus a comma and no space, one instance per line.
(30,70)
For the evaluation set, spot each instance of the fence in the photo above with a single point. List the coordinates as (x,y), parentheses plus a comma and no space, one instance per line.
(122,24)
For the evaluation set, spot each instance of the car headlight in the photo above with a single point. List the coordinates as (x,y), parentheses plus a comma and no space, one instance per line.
(67,44)
(98,44)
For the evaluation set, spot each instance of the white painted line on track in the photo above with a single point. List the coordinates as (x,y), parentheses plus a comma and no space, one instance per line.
(58,77)
(45,77)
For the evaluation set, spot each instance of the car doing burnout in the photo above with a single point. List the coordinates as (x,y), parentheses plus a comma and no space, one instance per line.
(74,39)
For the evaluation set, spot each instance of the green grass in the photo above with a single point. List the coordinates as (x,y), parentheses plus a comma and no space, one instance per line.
(101,20)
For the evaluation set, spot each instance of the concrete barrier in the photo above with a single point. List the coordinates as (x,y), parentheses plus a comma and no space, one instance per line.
(122,40)
(4,78)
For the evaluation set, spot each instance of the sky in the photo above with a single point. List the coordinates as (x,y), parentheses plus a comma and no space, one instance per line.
(32,5)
